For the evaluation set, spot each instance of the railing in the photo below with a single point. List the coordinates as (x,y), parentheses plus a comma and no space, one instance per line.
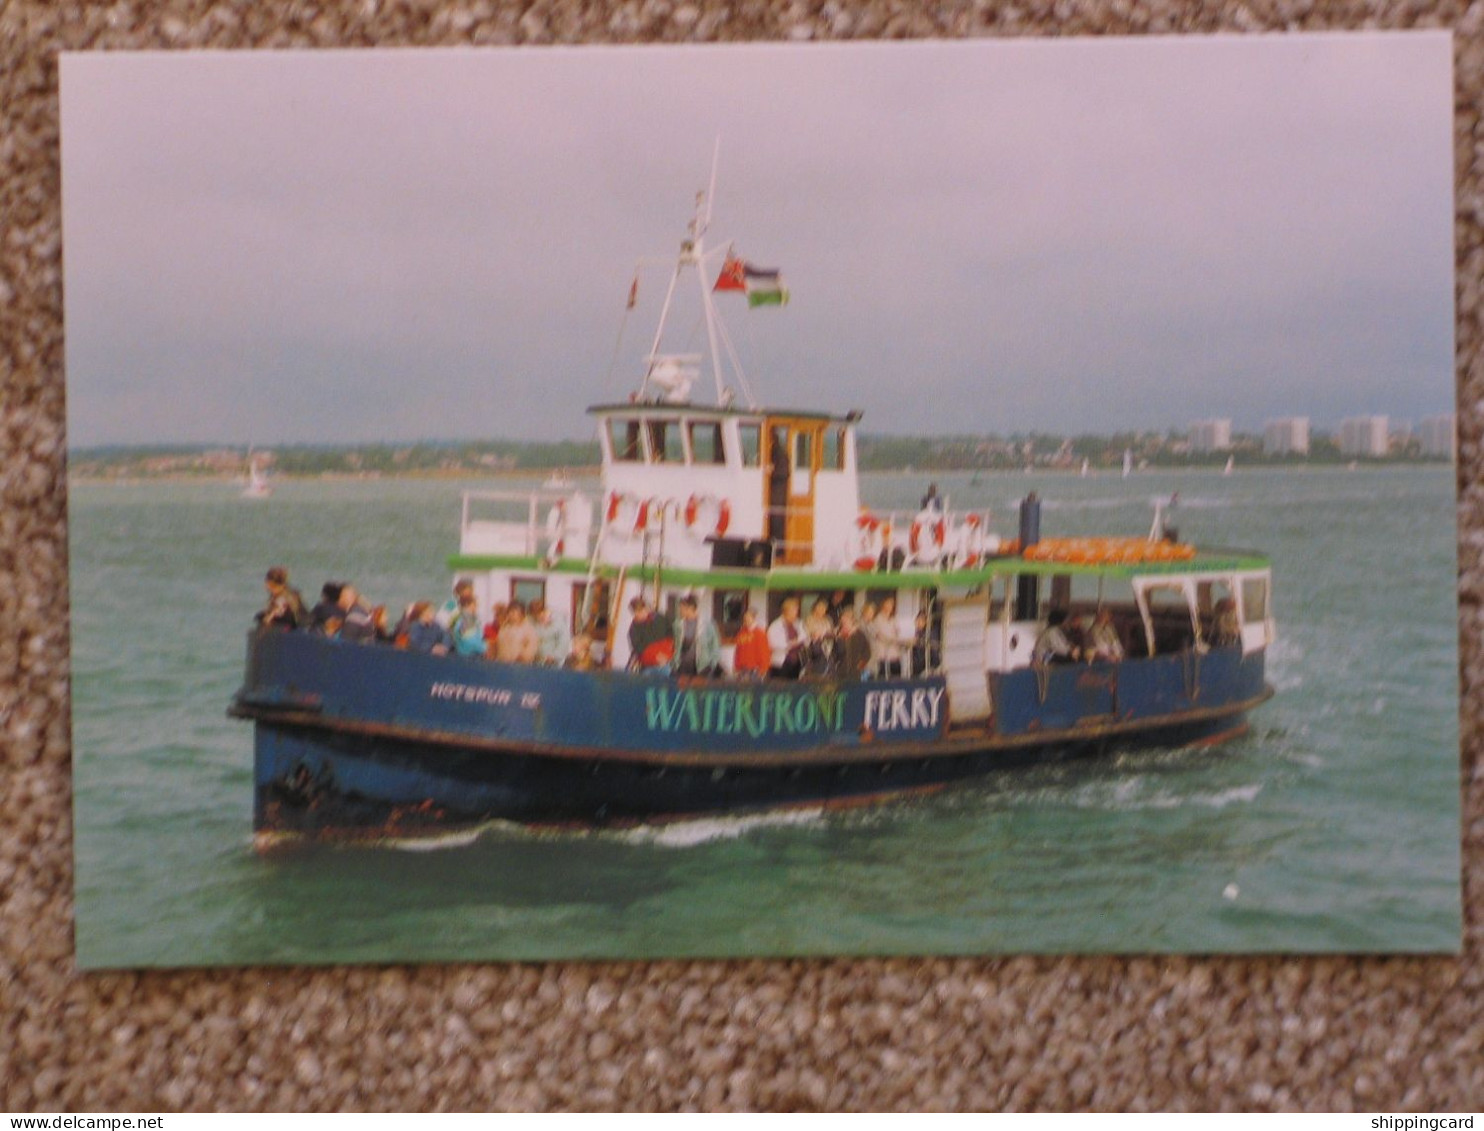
(533,522)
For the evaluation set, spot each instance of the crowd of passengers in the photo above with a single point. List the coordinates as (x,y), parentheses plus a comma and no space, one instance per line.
(835,641)
(1068,639)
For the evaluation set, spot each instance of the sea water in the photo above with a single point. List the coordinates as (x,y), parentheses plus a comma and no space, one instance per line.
(1334,825)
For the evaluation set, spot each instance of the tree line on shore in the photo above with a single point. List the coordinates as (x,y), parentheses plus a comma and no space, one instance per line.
(874,453)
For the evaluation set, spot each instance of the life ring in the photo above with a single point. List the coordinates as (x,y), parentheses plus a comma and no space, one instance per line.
(626,513)
(971,542)
(929,533)
(866,547)
(556,529)
(706,516)
(652,515)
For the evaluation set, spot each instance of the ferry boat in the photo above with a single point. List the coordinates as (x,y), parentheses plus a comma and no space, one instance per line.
(740,511)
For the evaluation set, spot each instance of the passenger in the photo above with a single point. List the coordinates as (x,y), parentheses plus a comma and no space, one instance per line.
(931,501)
(285,608)
(384,633)
(517,642)
(697,645)
(552,644)
(853,649)
(1225,629)
(893,639)
(448,612)
(326,615)
(651,637)
(1053,645)
(921,646)
(355,618)
(466,629)
(819,655)
(871,631)
(819,622)
(787,642)
(425,634)
(1103,642)
(492,630)
(752,656)
(409,617)
(840,600)
(580,659)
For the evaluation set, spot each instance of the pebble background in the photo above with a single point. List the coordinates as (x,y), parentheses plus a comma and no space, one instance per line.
(1022,1033)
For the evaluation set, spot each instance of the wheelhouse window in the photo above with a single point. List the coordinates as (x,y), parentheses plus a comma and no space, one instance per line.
(665,442)
(705,442)
(751,437)
(623,438)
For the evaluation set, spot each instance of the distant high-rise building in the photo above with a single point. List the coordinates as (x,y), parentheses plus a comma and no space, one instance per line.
(1438,437)
(1364,436)
(1211,435)
(1288,436)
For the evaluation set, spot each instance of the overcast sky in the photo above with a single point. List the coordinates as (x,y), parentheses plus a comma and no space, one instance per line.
(1074,235)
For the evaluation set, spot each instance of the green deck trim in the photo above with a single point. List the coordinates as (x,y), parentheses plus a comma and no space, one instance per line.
(795,578)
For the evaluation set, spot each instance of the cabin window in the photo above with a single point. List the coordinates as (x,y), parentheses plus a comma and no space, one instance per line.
(1169,615)
(623,437)
(1254,599)
(833,458)
(527,589)
(705,442)
(665,442)
(751,436)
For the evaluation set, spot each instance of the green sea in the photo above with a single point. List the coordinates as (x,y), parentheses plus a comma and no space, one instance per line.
(1333,826)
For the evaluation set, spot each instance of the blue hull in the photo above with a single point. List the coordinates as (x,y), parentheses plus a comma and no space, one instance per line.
(365,742)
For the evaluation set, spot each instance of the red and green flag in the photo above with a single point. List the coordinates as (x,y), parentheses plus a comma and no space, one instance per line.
(762,285)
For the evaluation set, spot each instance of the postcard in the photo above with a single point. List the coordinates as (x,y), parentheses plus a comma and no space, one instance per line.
(763,500)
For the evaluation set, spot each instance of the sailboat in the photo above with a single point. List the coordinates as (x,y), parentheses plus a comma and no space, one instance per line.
(258,486)
(1128,462)
(1230,461)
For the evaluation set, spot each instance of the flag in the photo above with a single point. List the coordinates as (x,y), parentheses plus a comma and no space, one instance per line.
(733,275)
(764,286)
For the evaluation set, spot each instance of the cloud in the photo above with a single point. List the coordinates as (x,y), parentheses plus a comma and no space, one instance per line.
(978,236)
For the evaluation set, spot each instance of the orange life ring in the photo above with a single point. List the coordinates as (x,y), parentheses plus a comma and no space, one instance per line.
(929,533)
(866,549)
(619,504)
(697,509)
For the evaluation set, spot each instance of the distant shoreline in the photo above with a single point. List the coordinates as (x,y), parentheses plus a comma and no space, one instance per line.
(594,472)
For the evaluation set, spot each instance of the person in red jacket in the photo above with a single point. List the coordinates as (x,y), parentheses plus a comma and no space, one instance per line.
(753,655)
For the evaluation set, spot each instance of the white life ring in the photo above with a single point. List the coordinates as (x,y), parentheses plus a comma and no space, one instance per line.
(706,516)
(971,542)
(625,514)
(929,533)
(556,529)
(865,550)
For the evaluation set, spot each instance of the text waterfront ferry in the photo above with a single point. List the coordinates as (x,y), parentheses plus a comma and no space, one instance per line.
(742,508)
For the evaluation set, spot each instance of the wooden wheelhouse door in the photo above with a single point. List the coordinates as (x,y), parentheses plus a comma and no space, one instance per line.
(792,459)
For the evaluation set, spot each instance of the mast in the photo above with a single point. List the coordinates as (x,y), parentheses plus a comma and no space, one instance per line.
(693,254)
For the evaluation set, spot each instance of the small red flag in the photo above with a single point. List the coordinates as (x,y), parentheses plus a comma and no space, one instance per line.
(733,275)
